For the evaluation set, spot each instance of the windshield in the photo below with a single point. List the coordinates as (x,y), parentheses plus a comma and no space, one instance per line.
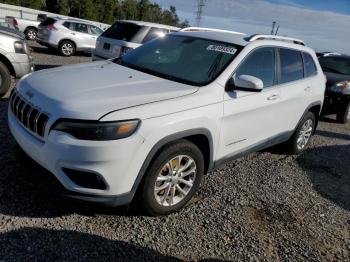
(338,65)
(184,59)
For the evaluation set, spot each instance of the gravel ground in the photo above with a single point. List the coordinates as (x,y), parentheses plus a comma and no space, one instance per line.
(267,206)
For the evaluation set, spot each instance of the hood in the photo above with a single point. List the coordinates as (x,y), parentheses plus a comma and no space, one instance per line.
(91,90)
(333,78)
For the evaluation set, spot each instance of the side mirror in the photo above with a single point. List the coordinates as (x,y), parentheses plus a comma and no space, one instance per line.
(245,83)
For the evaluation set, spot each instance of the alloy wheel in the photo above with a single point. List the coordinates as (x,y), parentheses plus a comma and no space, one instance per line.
(67,49)
(31,34)
(305,134)
(175,180)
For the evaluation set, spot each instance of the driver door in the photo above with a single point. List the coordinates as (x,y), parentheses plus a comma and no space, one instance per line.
(249,116)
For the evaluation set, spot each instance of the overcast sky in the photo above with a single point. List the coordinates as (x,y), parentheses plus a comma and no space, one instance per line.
(323,24)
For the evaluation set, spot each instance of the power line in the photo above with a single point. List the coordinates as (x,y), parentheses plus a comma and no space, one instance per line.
(199,13)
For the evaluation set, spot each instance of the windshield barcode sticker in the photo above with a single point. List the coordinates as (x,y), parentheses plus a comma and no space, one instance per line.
(222,49)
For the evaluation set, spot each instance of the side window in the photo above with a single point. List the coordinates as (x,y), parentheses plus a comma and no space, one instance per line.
(292,68)
(309,64)
(261,64)
(81,28)
(67,25)
(155,33)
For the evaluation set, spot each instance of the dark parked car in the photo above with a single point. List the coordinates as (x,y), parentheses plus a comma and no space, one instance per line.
(337,97)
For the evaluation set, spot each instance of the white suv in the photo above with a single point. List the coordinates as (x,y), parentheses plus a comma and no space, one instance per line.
(154,121)
(126,35)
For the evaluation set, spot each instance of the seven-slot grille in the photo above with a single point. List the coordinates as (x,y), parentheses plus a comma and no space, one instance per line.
(28,115)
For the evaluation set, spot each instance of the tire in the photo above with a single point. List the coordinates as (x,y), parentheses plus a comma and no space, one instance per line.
(31,34)
(67,48)
(5,79)
(152,196)
(344,116)
(304,130)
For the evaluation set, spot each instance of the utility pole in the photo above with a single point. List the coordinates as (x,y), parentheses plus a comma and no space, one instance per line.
(200,7)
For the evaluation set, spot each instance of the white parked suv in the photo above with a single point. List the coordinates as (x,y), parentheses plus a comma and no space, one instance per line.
(154,121)
(126,35)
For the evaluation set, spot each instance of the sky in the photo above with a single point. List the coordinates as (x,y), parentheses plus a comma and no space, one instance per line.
(323,24)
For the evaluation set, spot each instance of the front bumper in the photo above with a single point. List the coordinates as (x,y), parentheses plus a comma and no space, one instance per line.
(116,162)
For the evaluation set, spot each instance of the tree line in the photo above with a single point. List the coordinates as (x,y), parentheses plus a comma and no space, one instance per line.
(107,11)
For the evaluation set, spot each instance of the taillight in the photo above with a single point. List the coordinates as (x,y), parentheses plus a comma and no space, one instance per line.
(15,23)
(51,27)
(124,50)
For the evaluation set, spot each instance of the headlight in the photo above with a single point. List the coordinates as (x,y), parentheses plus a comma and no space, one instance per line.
(99,131)
(344,87)
(20,47)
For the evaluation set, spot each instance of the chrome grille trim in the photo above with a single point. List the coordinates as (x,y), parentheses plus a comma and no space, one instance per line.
(29,116)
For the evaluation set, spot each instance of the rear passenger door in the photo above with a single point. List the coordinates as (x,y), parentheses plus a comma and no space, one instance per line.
(295,88)
(81,36)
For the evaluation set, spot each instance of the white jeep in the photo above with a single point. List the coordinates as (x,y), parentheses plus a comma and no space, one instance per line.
(154,121)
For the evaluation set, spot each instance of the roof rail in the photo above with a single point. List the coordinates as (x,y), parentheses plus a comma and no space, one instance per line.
(205,29)
(275,37)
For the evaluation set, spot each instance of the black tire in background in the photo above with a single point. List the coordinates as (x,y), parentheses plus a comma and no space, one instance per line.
(292,144)
(168,152)
(31,34)
(5,79)
(64,46)
(344,115)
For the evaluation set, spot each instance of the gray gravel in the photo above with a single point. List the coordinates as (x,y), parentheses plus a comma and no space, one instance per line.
(267,206)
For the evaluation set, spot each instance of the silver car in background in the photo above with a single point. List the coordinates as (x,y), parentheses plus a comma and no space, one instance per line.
(68,35)
(126,35)
(15,58)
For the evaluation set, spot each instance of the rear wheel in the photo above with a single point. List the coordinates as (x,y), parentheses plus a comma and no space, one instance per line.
(67,48)
(344,116)
(5,79)
(302,136)
(173,178)
(31,33)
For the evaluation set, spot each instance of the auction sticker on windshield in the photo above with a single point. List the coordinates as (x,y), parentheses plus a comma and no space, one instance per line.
(222,49)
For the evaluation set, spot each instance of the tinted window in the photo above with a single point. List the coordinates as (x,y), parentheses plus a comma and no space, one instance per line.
(122,31)
(182,58)
(95,30)
(261,64)
(48,21)
(155,33)
(291,65)
(66,24)
(82,28)
(338,65)
(310,67)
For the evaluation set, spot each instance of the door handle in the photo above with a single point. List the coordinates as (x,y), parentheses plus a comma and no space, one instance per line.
(307,89)
(72,33)
(273,97)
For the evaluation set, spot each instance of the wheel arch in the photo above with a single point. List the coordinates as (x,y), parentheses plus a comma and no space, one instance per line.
(30,27)
(201,137)
(8,64)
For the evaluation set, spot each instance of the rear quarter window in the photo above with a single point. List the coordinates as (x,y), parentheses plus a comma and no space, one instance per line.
(155,33)
(309,64)
(292,68)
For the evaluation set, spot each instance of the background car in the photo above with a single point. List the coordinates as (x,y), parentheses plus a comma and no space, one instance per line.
(123,36)
(15,59)
(337,97)
(28,27)
(68,35)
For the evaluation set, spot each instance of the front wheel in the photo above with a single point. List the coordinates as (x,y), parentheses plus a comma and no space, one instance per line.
(344,116)
(302,136)
(173,178)
(5,79)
